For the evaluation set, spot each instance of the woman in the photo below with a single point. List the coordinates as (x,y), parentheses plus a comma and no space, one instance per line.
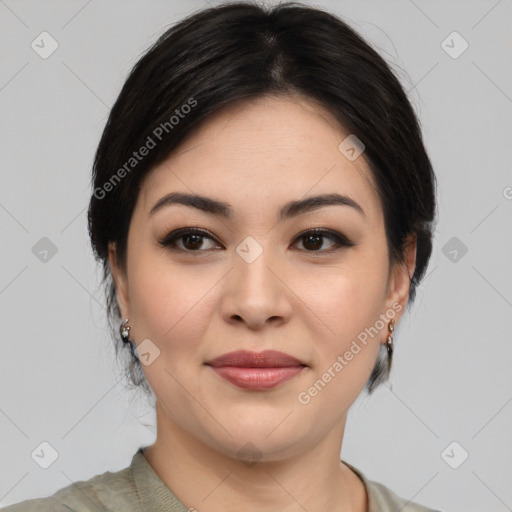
(262,207)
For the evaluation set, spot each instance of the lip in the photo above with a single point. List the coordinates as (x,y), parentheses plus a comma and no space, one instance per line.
(256,370)
(247,359)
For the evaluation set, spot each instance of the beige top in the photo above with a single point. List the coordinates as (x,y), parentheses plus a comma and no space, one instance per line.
(138,488)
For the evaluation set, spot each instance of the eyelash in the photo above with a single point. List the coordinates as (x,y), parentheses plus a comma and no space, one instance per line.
(340,240)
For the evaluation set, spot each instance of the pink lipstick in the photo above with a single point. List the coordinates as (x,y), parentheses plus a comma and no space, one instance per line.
(256,370)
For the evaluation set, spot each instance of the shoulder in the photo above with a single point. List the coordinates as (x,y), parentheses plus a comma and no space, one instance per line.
(384,499)
(101,493)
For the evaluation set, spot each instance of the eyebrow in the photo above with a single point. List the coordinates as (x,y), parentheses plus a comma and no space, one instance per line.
(223,209)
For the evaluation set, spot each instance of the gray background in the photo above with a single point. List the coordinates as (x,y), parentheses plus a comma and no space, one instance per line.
(451,381)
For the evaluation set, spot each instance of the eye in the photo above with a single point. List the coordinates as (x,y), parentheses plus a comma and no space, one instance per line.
(192,240)
(314,239)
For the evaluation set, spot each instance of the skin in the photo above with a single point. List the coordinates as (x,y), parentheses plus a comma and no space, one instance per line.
(295,297)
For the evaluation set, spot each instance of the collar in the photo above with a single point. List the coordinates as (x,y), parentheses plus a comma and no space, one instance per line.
(155,495)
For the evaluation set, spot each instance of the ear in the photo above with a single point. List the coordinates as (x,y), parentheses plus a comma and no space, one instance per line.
(120,281)
(400,279)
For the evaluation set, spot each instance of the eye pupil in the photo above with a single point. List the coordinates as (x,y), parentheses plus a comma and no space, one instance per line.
(198,240)
(316,245)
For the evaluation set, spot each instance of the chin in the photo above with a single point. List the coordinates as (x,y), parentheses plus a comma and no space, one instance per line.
(261,438)
(251,449)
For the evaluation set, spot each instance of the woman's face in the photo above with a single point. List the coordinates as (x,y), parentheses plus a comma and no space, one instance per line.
(255,280)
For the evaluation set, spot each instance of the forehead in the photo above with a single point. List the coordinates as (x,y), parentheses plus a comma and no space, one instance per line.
(264,152)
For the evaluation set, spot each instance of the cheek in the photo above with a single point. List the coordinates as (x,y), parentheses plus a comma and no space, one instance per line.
(349,302)
(346,356)
(169,308)
(170,303)
(349,299)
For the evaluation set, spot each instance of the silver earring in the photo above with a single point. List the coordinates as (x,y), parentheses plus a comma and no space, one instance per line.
(125,331)
(389,341)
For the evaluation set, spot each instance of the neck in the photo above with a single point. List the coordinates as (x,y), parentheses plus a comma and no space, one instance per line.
(314,480)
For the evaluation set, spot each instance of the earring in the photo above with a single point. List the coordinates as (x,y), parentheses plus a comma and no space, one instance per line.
(389,341)
(124,330)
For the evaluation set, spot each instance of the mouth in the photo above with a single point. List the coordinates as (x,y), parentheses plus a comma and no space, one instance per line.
(256,370)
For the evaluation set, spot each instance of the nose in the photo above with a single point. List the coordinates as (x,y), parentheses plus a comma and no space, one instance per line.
(256,293)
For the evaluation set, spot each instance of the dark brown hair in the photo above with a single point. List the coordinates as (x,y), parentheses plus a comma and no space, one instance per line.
(241,51)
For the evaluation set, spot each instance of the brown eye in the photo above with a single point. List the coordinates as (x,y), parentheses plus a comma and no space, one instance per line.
(313,240)
(192,240)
